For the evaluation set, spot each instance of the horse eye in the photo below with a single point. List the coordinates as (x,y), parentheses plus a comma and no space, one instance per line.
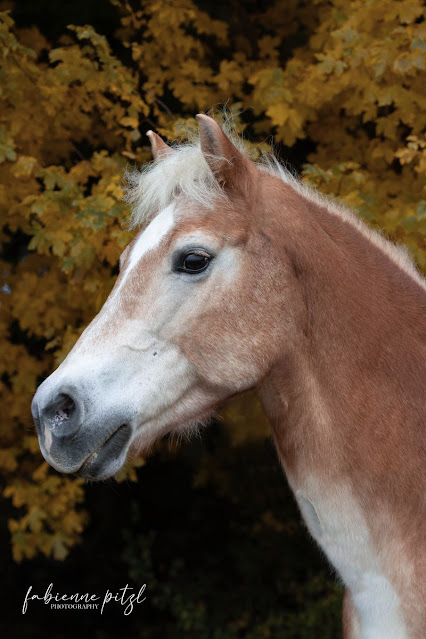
(194,262)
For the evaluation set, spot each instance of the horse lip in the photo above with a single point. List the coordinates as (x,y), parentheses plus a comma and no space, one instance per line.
(123,432)
(90,457)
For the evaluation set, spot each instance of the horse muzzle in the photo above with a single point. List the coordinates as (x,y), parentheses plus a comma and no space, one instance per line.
(73,440)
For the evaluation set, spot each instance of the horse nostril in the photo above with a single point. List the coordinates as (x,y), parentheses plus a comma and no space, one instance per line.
(63,416)
(64,409)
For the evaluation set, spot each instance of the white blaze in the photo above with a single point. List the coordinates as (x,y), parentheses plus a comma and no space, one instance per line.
(150,238)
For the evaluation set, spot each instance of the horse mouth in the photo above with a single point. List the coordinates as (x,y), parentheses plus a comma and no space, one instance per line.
(106,460)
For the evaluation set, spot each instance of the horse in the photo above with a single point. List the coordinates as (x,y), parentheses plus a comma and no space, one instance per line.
(242,277)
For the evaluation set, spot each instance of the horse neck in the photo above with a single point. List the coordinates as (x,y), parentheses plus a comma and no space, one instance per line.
(351,376)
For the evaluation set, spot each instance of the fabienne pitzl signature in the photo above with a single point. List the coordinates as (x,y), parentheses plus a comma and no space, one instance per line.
(126,597)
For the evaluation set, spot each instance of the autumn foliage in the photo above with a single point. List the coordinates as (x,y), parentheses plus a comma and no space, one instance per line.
(339,87)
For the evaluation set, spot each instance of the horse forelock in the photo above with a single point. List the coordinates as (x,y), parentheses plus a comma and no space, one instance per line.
(156,185)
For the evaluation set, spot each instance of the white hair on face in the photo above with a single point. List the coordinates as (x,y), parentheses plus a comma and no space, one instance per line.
(184,171)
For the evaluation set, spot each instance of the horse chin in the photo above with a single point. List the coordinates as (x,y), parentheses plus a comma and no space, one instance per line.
(107,460)
(146,438)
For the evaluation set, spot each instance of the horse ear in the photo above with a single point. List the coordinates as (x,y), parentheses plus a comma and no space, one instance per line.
(158,146)
(230,167)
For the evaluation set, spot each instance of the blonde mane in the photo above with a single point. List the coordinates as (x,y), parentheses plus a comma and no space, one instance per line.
(186,172)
